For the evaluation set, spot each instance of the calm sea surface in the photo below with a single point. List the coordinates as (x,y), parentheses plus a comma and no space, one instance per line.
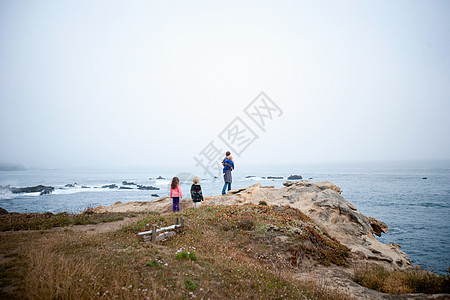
(416,210)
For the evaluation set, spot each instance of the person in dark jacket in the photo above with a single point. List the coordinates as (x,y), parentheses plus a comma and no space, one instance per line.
(228,166)
(196,192)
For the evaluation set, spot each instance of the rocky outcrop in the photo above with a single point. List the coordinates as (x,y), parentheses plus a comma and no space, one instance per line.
(295,177)
(42,189)
(321,201)
(128,183)
(324,203)
(3,211)
(110,186)
(147,188)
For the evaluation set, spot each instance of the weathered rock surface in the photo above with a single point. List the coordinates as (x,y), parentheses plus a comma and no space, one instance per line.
(321,201)
(3,211)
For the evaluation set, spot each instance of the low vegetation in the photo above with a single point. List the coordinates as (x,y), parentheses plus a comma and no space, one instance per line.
(42,221)
(248,252)
(401,282)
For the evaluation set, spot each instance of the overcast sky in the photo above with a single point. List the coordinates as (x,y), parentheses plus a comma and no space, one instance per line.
(153,83)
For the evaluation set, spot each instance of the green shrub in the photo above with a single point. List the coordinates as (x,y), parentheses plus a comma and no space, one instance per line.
(152,263)
(192,256)
(190,284)
(184,254)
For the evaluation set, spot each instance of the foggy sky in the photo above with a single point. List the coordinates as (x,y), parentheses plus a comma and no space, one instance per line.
(152,83)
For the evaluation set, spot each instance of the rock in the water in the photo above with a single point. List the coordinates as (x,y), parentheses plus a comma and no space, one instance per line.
(110,186)
(70,185)
(84,187)
(128,183)
(33,189)
(147,188)
(274,177)
(125,188)
(250,176)
(47,190)
(424,178)
(295,177)
(155,195)
(3,211)
(160,177)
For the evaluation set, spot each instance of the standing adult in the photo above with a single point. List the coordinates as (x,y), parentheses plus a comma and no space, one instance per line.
(228,166)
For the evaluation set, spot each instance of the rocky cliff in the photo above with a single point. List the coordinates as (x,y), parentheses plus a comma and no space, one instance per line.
(321,201)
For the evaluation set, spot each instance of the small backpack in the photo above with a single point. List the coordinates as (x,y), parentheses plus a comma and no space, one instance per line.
(196,193)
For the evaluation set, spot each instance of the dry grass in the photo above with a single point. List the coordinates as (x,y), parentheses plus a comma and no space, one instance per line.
(240,252)
(401,282)
(41,221)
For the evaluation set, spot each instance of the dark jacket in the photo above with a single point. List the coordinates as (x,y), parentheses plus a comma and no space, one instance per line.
(196,193)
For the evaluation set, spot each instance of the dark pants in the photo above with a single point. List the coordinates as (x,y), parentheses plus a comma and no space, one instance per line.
(176,204)
(225,186)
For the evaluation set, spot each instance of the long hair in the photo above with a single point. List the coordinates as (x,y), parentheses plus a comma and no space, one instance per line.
(175,182)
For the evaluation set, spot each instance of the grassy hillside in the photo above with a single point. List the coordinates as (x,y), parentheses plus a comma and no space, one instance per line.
(223,252)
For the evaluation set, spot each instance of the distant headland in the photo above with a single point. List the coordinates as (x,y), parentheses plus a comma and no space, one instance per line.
(11,167)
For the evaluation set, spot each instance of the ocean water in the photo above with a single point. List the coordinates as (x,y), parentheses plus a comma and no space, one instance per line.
(416,210)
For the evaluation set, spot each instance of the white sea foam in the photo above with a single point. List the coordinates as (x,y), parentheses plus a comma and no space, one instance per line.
(162,182)
(258,178)
(80,189)
(67,191)
(6,194)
